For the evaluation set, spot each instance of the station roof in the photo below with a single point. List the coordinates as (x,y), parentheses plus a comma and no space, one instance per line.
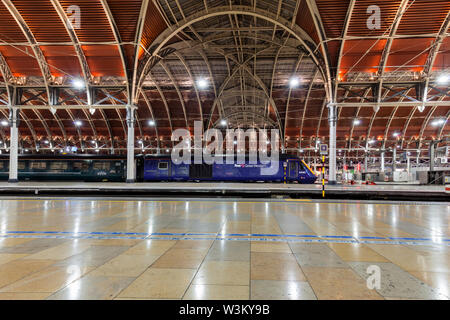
(253,63)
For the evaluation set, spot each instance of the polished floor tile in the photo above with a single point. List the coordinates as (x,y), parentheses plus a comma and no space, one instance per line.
(281,290)
(396,282)
(216,292)
(316,255)
(224,273)
(275,266)
(338,284)
(93,288)
(160,284)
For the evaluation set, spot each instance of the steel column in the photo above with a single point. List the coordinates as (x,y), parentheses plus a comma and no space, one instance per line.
(131,171)
(332,119)
(13,145)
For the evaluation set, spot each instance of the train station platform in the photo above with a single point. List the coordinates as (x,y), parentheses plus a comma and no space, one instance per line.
(384,191)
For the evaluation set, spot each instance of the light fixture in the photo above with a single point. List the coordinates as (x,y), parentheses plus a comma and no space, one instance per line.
(4,123)
(97,150)
(372,141)
(202,83)
(223,122)
(140,142)
(443,79)
(46,141)
(356,122)
(78,84)
(235,142)
(93,141)
(396,134)
(294,82)
(151,123)
(78,123)
(438,122)
(167,150)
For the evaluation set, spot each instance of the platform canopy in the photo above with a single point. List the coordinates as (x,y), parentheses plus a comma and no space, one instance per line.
(72,67)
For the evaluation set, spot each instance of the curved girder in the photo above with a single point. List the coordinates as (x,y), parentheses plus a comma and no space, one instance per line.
(387,49)
(323,43)
(164,37)
(77,46)
(306,104)
(238,67)
(434,51)
(166,105)
(177,89)
(348,17)
(188,70)
(39,56)
(248,113)
(153,117)
(290,92)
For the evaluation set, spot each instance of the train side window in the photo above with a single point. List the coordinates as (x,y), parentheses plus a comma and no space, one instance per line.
(38,165)
(163,165)
(103,165)
(21,165)
(85,166)
(58,166)
(1,165)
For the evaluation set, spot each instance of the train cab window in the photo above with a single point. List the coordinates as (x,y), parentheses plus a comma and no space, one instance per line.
(163,165)
(58,166)
(102,165)
(21,165)
(40,165)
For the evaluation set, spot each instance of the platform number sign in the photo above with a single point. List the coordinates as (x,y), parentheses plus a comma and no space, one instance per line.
(324,149)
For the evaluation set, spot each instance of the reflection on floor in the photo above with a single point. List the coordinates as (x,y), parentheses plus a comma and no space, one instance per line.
(221,249)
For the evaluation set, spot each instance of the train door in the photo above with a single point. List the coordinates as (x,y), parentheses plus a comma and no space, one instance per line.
(164,169)
(293,170)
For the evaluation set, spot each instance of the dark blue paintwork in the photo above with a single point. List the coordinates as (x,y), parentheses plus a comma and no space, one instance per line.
(162,168)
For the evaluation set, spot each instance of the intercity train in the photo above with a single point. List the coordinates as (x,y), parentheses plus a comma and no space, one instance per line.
(103,168)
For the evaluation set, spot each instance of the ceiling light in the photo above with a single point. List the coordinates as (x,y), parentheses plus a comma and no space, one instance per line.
(396,134)
(78,123)
(223,122)
(443,79)
(357,122)
(97,150)
(78,84)
(167,150)
(372,141)
(294,82)
(438,122)
(202,83)
(4,123)
(151,123)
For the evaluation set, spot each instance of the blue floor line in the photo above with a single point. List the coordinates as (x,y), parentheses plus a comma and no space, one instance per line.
(227,235)
(325,240)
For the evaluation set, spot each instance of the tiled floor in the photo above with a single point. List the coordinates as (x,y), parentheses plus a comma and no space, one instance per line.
(222,249)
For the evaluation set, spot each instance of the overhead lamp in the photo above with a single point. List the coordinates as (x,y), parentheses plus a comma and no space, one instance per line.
(78,123)
(78,84)
(294,82)
(235,142)
(396,134)
(97,150)
(93,141)
(443,79)
(223,122)
(4,123)
(356,122)
(202,83)
(167,150)
(46,141)
(151,123)
(372,141)
(92,111)
(438,122)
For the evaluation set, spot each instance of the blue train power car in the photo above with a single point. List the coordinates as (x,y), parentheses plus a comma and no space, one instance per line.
(288,168)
